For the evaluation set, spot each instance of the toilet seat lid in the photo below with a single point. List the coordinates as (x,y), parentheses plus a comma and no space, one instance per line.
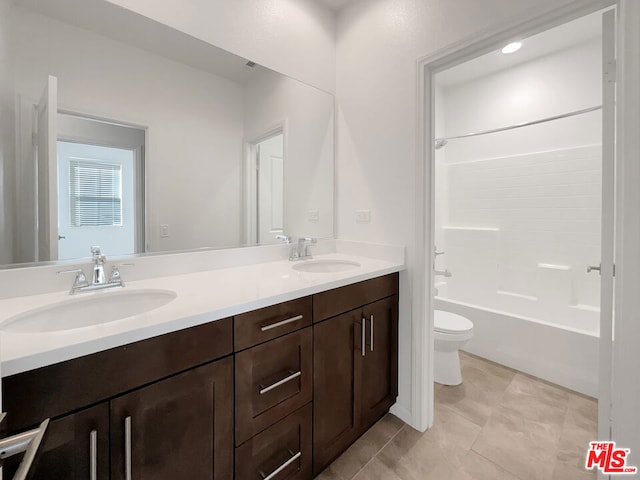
(449,322)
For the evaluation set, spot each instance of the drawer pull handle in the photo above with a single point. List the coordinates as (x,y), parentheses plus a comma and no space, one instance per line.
(293,375)
(272,475)
(93,455)
(364,336)
(127,448)
(371,319)
(264,328)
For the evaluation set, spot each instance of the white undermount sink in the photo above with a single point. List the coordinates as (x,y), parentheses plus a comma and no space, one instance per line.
(325,266)
(94,309)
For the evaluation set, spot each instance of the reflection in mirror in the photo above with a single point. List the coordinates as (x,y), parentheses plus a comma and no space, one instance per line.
(267,218)
(100,187)
(148,140)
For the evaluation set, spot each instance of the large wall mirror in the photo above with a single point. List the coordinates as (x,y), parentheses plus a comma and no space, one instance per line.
(121,132)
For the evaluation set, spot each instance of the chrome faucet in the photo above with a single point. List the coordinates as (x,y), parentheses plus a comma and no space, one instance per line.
(284,238)
(98,278)
(300,250)
(304,244)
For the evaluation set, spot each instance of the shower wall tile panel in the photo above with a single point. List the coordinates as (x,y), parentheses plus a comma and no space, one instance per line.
(546,208)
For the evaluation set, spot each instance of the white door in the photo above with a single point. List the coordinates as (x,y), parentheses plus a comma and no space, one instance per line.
(47,172)
(608,222)
(270,167)
(96,199)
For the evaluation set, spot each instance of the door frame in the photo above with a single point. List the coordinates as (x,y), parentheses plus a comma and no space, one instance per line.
(422,395)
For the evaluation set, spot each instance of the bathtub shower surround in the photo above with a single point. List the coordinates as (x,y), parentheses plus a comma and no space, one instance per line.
(521,231)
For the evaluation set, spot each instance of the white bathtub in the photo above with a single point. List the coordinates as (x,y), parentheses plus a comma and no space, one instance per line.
(564,355)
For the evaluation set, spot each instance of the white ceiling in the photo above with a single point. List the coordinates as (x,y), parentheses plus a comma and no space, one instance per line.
(579,31)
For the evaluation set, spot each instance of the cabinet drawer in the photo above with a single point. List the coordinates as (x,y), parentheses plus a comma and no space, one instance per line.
(272,380)
(340,300)
(268,323)
(284,448)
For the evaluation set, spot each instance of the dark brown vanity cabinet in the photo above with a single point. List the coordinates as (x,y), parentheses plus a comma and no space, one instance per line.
(355,364)
(275,393)
(163,409)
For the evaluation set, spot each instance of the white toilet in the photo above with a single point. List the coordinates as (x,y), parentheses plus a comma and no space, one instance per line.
(452,332)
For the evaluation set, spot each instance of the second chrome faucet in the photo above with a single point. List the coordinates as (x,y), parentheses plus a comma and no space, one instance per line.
(300,249)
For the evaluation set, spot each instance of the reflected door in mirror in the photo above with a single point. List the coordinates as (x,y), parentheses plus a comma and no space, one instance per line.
(270,184)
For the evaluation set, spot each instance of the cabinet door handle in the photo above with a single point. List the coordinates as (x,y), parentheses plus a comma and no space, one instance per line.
(273,474)
(364,336)
(371,320)
(264,328)
(127,448)
(293,375)
(93,455)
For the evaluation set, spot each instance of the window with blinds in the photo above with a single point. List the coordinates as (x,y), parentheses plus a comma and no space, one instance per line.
(95,194)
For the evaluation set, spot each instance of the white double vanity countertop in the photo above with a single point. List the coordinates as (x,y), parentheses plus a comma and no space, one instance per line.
(199,298)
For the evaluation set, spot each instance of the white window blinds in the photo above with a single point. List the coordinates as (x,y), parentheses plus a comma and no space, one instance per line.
(95,194)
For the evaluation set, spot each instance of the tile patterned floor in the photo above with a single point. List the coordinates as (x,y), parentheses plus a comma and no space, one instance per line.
(499,424)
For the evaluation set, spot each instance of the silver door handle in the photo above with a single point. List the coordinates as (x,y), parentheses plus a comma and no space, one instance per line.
(93,455)
(127,448)
(293,375)
(273,474)
(591,268)
(364,335)
(264,328)
(371,320)
(61,237)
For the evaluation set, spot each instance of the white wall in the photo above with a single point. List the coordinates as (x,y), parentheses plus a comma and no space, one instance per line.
(194,120)
(378,45)
(294,37)
(7,163)
(272,99)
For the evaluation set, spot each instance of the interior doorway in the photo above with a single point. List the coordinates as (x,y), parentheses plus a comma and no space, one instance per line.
(426,236)
(524,177)
(266,196)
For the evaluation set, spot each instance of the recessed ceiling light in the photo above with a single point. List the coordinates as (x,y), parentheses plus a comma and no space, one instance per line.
(512,47)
